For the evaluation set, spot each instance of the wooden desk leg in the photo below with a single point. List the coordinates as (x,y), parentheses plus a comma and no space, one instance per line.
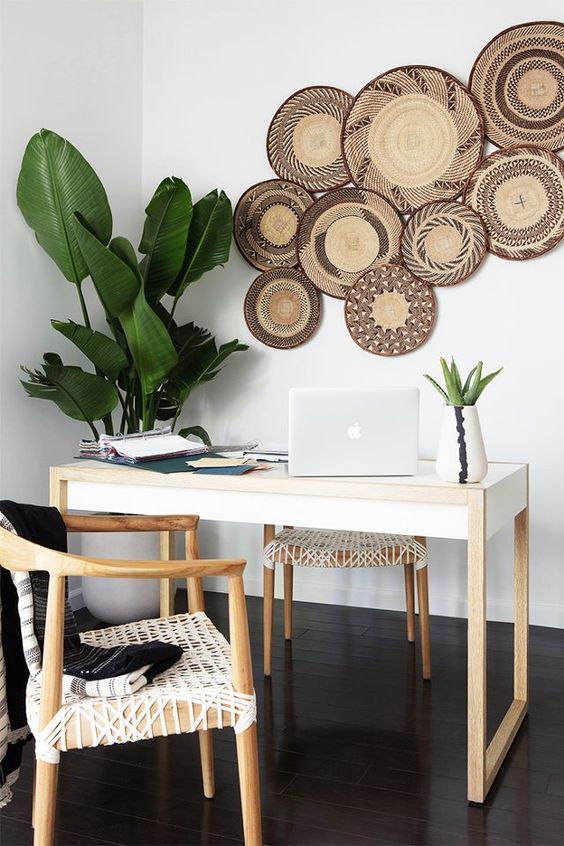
(521,588)
(168,589)
(269,533)
(484,760)
(476,646)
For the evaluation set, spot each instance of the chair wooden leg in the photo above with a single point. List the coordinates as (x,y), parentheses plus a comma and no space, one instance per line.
(288,596)
(268,604)
(424,629)
(206,758)
(247,761)
(410,601)
(45,803)
(268,608)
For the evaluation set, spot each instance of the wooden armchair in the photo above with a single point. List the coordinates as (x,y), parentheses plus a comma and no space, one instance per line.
(170,704)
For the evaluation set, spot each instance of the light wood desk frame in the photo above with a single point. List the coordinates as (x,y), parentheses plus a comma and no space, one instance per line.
(420,505)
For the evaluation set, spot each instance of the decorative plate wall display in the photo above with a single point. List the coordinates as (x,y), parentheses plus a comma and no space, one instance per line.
(282,308)
(518,79)
(413,134)
(444,242)
(344,234)
(266,223)
(519,194)
(304,138)
(389,311)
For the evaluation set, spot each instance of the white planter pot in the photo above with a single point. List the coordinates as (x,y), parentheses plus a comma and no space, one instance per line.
(461,456)
(121,600)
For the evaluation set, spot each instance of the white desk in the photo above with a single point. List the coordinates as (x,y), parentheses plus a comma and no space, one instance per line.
(418,505)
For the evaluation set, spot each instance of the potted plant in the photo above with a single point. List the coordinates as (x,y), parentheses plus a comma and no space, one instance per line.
(461,456)
(144,368)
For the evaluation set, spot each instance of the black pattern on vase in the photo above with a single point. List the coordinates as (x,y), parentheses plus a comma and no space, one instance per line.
(462,454)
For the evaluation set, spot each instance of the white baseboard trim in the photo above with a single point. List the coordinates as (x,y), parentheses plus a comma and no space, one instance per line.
(75,599)
(394,600)
(388,600)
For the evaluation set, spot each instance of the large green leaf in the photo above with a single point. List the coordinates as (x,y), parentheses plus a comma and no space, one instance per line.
(80,395)
(164,236)
(148,339)
(115,281)
(118,281)
(54,182)
(102,351)
(200,364)
(209,240)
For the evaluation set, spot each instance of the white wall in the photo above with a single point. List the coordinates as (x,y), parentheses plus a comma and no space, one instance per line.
(191,92)
(74,67)
(214,74)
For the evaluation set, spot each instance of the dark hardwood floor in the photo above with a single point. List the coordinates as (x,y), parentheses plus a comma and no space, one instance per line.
(354,749)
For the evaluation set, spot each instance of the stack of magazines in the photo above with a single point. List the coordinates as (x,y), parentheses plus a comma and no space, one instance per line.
(141,446)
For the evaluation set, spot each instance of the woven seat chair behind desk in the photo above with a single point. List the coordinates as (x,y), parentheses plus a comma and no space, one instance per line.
(210,686)
(325,548)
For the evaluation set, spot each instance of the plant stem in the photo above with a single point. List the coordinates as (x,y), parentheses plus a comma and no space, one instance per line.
(83,307)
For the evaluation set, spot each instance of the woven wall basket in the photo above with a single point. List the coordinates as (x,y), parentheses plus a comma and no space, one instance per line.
(519,194)
(282,308)
(344,234)
(266,220)
(443,242)
(518,79)
(304,138)
(389,311)
(413,134)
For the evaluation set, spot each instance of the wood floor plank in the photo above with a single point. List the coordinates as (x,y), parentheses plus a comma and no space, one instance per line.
(353,748)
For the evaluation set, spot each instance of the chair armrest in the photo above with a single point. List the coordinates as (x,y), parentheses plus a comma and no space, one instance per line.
(109,568)
(130,522)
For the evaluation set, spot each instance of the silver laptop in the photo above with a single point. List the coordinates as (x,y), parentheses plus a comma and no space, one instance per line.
(353,431)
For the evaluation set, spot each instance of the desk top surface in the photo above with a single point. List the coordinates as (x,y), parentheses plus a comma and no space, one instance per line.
(276,480)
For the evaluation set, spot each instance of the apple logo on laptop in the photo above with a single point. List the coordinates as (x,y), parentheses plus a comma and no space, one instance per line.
(354,432)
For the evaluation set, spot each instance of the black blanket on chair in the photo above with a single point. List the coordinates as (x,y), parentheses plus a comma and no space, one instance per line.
(88,670)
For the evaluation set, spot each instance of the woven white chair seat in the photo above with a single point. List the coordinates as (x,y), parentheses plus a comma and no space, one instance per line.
(330,548)
(195,693)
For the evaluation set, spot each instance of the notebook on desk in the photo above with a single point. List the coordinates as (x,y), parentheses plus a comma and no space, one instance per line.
(353,431)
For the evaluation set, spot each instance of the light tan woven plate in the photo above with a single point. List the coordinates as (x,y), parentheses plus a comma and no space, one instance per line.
(414,134)
(266,221)
(443,242)
(519,194)
(344,234)
(304,138)
(518,79)
(282,308)
(389,311)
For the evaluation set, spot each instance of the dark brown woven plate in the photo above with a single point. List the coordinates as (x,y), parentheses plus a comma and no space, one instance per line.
(413,134)
(304,138)
(519,194)
(266,222)
(345,233)
(282,308)
(518,79)
(443,242)
(389,311)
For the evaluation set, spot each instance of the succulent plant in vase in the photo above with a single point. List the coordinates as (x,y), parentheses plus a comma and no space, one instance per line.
(461,456)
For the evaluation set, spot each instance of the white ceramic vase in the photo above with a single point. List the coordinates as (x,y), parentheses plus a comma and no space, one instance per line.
(461,456)
(118,601)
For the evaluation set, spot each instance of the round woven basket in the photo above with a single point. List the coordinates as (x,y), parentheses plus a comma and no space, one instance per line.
(519,194)
(345,233)
(389,311)
(304,138)
(444,242)
(282,308)
(265,223)
(413,134)
(518,79)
